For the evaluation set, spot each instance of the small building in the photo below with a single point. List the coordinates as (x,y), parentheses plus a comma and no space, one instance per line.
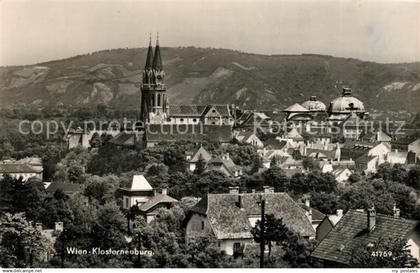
(397,157)
(142,195)
(225,165)
(69,189)
(151,207)
(20,170)
(230,217)
(249,138)
(362,228)
(341,174)
(140,192)
(193,157)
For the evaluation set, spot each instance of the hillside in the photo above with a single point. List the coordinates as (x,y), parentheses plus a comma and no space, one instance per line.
(203,75)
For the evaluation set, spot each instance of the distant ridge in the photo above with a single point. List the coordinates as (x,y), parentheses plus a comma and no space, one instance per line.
(203,75)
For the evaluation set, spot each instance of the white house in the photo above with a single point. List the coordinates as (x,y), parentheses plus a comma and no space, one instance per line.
(249,138)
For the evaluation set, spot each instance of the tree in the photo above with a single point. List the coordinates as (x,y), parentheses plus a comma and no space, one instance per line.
(383,253)
(21,245)
(276,178)
(297,250)
(200,167)
(274,231)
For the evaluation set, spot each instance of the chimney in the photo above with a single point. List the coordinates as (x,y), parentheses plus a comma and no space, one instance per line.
(339,213)
(371,219)
(165,191)
(239,203)
(253,190)
(396,211)
(59,226)
(308,202)
(234,190)
(227,156)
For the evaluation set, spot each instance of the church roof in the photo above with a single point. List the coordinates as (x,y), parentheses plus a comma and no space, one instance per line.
(157,59)
(149,58)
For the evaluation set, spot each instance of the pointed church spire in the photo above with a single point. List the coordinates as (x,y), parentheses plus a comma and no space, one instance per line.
(149,58)
(157,60)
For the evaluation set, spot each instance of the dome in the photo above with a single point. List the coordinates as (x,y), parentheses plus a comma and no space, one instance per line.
(314,105)
(346,103)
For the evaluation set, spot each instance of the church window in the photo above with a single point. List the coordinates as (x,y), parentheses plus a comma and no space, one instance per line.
(182,120)
(158,100)
(195,120)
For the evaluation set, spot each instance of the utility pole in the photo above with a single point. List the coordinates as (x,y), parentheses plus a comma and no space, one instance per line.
(262,223)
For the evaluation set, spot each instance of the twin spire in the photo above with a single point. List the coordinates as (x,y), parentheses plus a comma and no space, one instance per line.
(153,61)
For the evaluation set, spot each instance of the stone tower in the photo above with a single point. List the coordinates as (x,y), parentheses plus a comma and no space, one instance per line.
(154,102)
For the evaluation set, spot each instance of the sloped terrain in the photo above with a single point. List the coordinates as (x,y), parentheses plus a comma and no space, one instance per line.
(203,75)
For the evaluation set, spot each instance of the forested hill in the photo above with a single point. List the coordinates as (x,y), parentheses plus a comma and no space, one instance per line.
(204,75)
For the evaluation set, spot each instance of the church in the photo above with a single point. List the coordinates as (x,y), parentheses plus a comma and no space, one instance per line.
(169,123)
(155,108)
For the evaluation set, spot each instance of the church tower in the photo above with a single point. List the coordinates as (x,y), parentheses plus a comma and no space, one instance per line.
(154,103)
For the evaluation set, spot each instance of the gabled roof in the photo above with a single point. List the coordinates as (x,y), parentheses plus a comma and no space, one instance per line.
(140,183)
(125,139)
(296,108)
(350,232)
(206,156)
(156,200)
(187,110)
(228,221)
(65,187)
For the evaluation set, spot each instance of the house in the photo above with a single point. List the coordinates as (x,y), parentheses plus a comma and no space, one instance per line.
(361,228)
(68,188)
(142,195)
(195,133)
(127,139)
(193,157)
(341,174)
(140,192)
(19,170)
(293,135)
(230,217)
(249,138)
(397,157)
(151,207)
(414,149)
(327,224)
(225,165)
(206,114)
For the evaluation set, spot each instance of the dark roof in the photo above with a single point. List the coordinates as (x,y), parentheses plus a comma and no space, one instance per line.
(125,139)
(195,133)
(156,200)
(65,187)
(157,59)
(318,152)
(149,58)
(350,232)
(198,110)
(17,168)
(316,214)
(228,221)
(205,155)
(274,143)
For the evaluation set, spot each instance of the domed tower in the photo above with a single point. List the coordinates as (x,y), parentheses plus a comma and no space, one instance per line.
(314,105)
(345,105)
(154,102)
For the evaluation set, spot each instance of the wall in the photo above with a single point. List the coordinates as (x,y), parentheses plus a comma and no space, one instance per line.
(227,245)
(195,226)
(414,243)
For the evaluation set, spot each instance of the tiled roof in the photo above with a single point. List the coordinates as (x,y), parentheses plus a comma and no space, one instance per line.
(124,138)
(206,156)
(351,231)
(228,221)
(17,168)
(65,187)
(156,200)
(195,133)
(316,214)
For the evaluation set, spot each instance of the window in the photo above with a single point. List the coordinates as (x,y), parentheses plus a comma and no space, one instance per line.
(195,120)
(202,225)
(126,202)
(158,100)
(182,120)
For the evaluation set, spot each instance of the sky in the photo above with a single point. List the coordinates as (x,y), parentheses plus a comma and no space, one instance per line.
(385,31)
